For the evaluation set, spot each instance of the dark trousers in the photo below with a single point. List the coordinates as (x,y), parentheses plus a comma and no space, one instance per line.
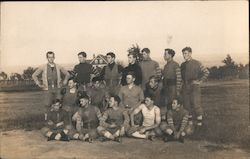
(192,99)
(170,94)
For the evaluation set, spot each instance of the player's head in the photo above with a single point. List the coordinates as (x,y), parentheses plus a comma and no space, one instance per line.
(176,103)
(71,83)
(149,99)
(84,100)
(82,57)
(50,56)
(187,53)
(131,58)
(145,53)
(114,100)
(110,57)
(130,77)
(57,104)
(96,82)
(169,54)
(153,82)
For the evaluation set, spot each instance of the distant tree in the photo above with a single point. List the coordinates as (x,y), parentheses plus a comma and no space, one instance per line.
(230,68)
(27,73)
(3,76)
(244,71)
(135,49)
(16,76)
(214,73)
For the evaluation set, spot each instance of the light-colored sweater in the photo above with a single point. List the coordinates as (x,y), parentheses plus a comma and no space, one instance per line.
(43,70)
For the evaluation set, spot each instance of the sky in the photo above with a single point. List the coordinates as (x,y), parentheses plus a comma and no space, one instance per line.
(212,28)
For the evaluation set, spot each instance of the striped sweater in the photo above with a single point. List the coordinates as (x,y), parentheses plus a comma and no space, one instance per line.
(193,70)
(172,75)
(177,119)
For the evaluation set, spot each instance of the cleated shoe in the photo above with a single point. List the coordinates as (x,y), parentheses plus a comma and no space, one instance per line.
(52,137)
(118,139)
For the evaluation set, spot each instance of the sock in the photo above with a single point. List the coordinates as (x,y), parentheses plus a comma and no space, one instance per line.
(49,133)
(169,131)
(58,136)
(108,135)
(117,133)
(76,136)
(183,134)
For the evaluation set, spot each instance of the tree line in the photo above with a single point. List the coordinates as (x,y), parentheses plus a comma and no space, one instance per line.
(228,71)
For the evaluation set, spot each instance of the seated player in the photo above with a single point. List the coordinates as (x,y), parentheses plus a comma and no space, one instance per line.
(57,126)
(115,121)
(154,87)
(86,120)
(96,93)
(70,96)
(176,127)
(151,120)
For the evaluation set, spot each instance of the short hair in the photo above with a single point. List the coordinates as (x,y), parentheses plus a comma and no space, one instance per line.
(133,54)
(95,79)
(179,100)
(155,78)
(57,101)
(145,50)
(71,78)
(83,54)
(81,93)
(131,73)
(170,52)
(116,98)
(85,96)
(51,53)
(111,54)
(189,49)
(150,95)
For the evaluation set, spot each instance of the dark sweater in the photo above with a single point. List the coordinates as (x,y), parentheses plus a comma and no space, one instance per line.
(132,68)
(83,72)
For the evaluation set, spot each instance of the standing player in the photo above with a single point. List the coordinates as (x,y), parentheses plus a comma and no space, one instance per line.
(51,79)
(193,74)
(171,78)
(133,66)
(111,73)
(83,72)
(149,67)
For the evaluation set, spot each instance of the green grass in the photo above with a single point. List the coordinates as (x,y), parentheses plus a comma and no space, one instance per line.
(226,106)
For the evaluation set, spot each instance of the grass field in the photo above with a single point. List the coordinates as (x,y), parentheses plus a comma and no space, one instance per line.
(226,106)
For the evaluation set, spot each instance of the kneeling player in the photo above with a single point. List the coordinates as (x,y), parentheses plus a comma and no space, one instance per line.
(57,126)
(151,120)
(86,120)
(115,121)
(177,126)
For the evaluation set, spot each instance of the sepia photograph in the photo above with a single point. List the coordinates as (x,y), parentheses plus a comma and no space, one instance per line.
(124,80)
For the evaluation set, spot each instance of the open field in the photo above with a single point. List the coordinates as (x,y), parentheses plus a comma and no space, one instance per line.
(225,133)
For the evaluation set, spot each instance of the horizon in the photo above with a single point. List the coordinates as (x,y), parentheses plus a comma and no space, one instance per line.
(69,66)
